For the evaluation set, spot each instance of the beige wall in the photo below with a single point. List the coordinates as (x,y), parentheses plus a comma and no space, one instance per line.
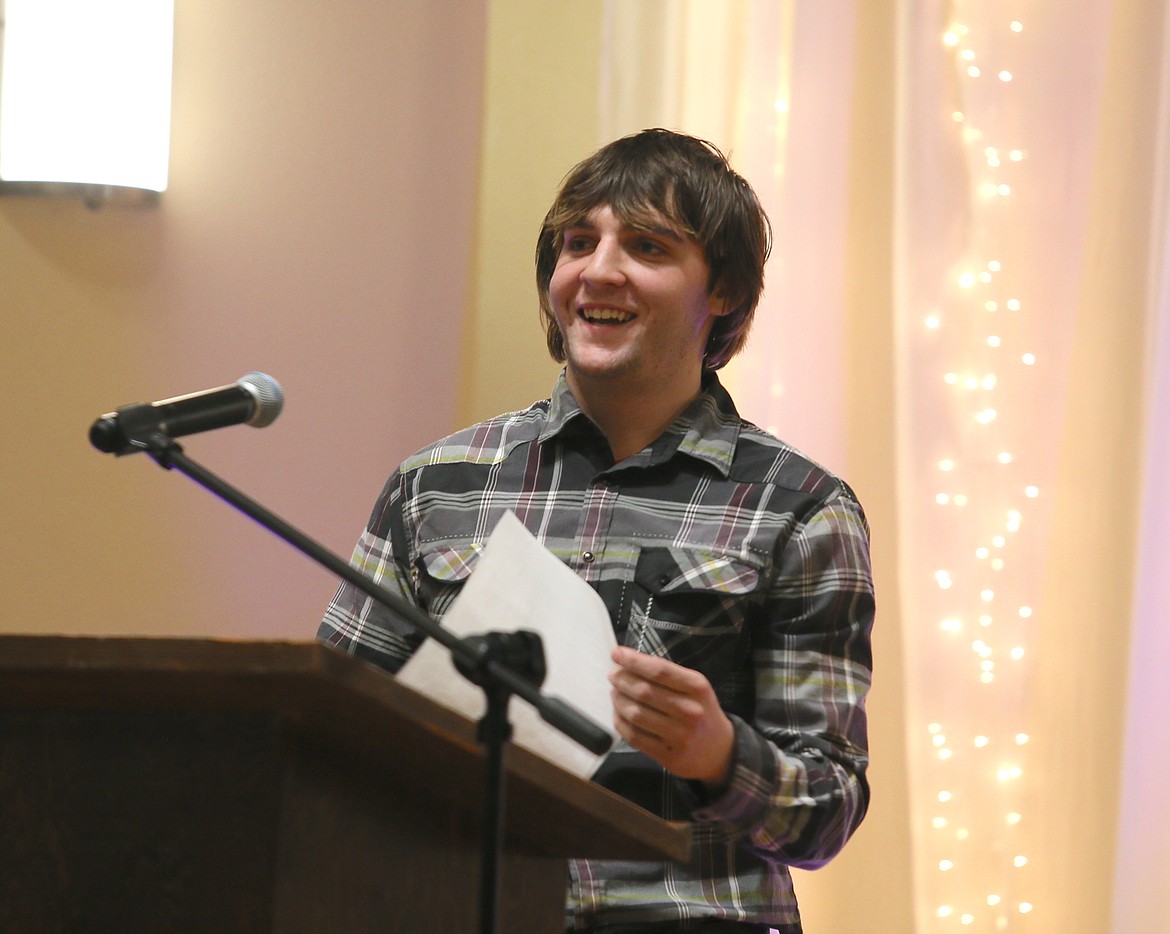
(540,118)
(319,227)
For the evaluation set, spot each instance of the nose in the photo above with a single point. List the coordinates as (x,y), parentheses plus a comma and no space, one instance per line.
(604,266)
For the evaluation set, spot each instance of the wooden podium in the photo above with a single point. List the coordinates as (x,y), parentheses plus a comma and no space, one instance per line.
(215,786)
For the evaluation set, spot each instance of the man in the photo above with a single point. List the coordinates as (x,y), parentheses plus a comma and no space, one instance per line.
(736,572)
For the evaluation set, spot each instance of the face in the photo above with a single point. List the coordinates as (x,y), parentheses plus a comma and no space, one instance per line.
(632,306)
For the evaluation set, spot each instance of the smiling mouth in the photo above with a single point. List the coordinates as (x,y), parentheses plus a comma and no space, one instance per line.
(605,315)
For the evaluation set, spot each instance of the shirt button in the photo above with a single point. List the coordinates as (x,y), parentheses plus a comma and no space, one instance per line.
(587,557)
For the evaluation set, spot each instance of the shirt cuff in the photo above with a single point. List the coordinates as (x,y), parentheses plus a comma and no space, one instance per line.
(753,778)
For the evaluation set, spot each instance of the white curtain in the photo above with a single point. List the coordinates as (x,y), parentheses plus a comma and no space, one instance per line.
(1141,882)
(973,192)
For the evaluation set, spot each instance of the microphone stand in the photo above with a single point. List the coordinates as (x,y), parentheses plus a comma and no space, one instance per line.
(503,664)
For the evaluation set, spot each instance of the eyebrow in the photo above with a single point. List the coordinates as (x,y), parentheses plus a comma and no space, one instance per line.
(660,230)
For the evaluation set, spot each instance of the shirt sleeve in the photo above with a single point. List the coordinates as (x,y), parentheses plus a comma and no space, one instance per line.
(798,788)
(357,623)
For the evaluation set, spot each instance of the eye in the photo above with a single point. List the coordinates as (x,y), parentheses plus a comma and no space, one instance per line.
(647,246)
(576,242)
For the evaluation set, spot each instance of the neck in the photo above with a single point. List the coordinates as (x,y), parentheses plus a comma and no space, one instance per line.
(629,420)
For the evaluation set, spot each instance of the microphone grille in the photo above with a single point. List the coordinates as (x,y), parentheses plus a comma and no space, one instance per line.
(268,395)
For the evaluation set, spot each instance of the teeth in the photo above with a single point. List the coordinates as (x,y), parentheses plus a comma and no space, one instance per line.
(605,314)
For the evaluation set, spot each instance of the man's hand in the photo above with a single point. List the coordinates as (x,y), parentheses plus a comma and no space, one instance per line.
(671,713)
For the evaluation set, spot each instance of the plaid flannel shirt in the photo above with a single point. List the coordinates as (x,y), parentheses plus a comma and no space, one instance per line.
(719,547)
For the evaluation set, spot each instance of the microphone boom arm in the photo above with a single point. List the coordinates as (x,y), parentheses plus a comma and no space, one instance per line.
(169,454)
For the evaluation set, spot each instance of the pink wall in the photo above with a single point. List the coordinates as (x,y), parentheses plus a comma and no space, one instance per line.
(319,226)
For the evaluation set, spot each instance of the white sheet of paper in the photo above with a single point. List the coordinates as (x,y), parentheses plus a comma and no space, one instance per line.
(519,584)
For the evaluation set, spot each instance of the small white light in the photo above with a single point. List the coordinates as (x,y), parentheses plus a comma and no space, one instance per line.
(1005,75)
(945,865)
(1025,907)
(1020,862)
(1022,739)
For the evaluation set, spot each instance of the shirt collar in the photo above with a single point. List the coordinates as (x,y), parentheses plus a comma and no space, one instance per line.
(706,430)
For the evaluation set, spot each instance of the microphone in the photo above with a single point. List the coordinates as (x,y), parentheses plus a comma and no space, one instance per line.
(255,399)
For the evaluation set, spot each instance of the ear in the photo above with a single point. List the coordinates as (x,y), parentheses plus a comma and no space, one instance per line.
(718,306)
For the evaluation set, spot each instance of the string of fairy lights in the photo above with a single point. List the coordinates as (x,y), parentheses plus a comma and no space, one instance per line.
(980,503)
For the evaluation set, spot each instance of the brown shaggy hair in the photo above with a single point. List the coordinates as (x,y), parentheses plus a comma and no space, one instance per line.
(658,174)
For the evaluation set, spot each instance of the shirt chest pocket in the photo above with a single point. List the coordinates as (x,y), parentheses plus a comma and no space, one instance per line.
(441,571)
(692,605)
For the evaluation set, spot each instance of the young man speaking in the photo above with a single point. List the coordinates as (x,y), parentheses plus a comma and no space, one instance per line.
(736,572)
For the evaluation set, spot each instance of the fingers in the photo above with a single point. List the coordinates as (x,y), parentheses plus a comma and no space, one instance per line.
(660,671)
(670,713)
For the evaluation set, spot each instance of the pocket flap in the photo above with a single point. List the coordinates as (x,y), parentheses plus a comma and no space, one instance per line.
(451,564)
(691,570)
